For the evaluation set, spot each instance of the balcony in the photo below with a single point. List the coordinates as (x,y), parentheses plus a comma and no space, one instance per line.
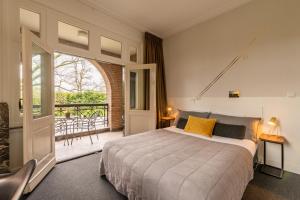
(77,120)
(78,128)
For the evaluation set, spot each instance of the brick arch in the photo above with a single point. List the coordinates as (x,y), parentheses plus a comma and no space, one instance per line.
(112,75)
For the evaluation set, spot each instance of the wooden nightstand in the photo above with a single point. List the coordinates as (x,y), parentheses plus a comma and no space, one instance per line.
(267,169)
(168,119)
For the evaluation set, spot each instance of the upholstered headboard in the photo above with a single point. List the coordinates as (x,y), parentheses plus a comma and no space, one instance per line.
(4,136)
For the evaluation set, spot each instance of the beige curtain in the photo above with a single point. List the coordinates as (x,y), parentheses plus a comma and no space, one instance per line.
(154,54)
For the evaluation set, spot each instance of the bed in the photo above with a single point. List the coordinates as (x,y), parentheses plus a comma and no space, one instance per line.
(169,164)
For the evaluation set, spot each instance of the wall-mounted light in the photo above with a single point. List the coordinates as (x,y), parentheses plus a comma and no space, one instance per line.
(234,94)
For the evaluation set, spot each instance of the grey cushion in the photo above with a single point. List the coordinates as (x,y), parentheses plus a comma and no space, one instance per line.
(181,123)
(251,123)
(230,131)
(186,114)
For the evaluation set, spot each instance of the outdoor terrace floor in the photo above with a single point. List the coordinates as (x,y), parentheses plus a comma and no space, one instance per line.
(83,146)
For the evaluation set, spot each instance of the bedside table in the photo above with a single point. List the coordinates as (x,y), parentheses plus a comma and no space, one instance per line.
(168,119)
(267,169)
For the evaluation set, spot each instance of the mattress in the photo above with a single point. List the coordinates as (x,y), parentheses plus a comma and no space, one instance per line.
(169,164)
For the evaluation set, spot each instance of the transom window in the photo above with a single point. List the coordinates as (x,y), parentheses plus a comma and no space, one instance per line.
(111,47)
(73,36)
(133,54)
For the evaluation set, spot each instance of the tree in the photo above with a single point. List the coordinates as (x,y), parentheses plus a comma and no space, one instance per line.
(75,74)
(85,97)
(76,80)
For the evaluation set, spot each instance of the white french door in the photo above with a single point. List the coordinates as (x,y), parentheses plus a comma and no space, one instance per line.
(38,110)
(140,98)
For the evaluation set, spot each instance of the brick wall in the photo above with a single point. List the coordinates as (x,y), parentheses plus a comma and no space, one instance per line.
(113,77)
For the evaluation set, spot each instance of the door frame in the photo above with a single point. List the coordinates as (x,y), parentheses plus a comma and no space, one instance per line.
(142,113)
(49,161)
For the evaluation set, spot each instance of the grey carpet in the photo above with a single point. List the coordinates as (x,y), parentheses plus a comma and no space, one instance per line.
(78,179)
(267,187)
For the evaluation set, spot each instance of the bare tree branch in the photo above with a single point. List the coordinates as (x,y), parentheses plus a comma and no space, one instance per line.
(74,74)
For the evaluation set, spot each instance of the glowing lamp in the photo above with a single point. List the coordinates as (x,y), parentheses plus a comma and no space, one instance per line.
(273,121)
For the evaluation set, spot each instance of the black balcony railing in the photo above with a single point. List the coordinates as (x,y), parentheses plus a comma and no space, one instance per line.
(75,118)
(72,119)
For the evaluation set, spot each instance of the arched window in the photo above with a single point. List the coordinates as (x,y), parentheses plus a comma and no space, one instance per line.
(77,80)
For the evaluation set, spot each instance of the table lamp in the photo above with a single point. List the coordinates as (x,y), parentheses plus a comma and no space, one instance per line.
(169,110)
(274,123)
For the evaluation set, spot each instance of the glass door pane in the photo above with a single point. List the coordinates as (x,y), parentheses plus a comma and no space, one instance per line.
(139,94)
(41,82)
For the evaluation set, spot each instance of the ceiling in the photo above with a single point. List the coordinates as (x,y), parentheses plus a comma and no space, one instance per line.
(163,17)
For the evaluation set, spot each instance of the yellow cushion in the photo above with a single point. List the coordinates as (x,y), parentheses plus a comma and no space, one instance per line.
(199,125)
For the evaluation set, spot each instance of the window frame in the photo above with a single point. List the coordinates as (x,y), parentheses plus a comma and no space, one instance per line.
(73,46)
(110,38)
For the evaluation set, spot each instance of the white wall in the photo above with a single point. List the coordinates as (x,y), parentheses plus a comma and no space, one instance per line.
(10,63)
(9,59)
(264,76)
(69,11)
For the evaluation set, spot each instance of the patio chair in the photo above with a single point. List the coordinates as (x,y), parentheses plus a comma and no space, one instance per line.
(76,125)
(12,185)
(89,124)
(93,123)
(61,127)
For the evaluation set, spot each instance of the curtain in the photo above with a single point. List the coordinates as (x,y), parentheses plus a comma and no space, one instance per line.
(146,89)
(154,54)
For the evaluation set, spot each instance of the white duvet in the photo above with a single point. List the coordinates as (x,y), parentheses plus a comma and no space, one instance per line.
(248,144)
